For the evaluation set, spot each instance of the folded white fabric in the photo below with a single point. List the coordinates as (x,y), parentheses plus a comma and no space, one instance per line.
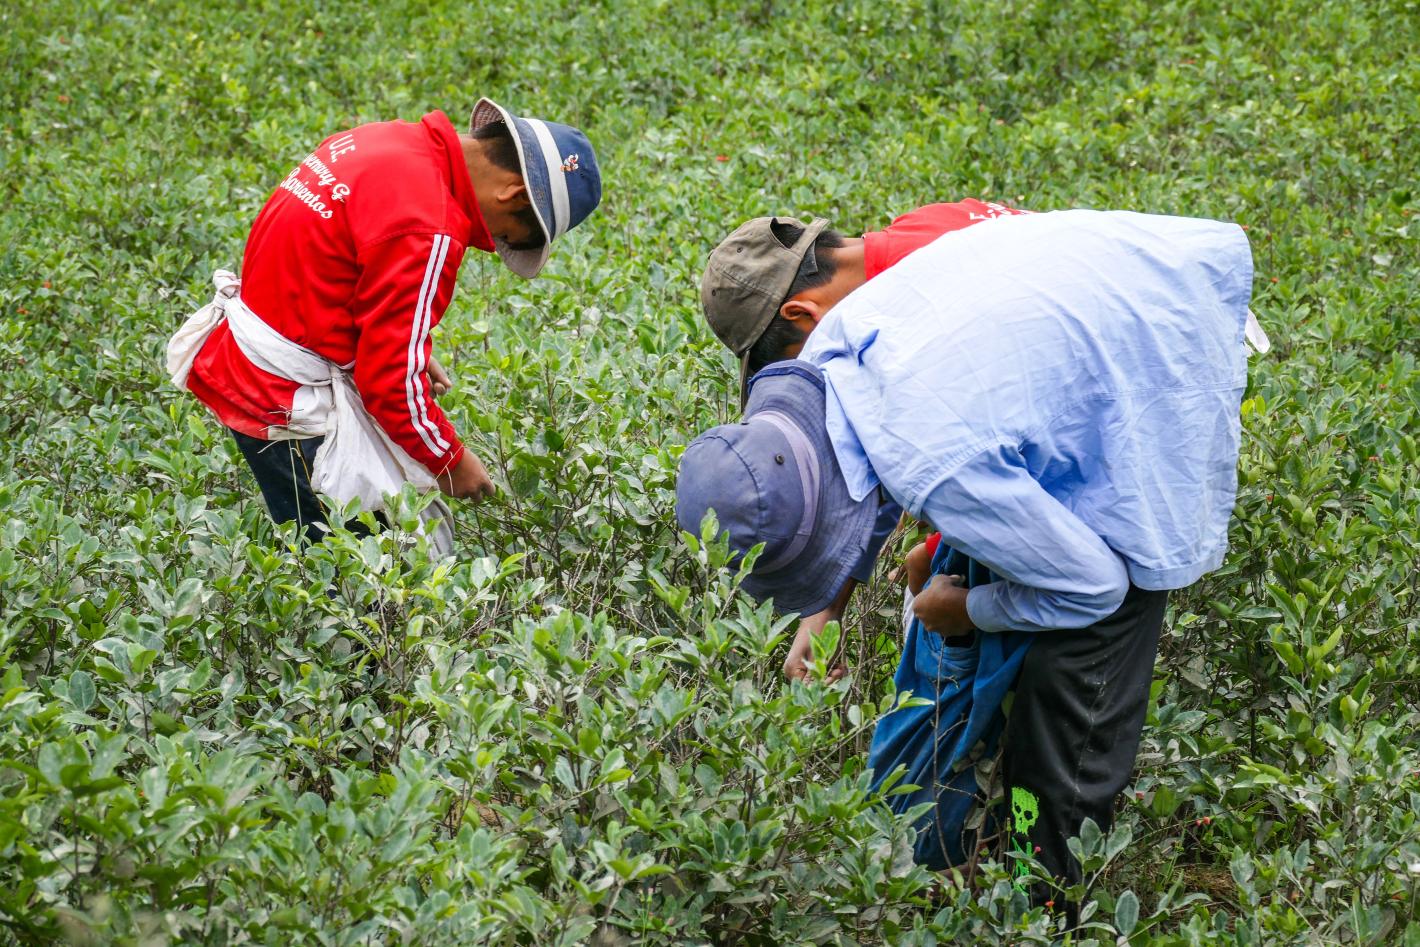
(357,460)
(1257,340)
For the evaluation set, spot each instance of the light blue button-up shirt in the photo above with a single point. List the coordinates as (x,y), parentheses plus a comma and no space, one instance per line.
(1058,394)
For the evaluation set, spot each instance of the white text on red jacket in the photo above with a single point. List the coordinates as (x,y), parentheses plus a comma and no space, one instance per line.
(324,177)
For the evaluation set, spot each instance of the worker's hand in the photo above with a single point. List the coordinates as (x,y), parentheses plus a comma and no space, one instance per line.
(801,651)
(941,606)
(467,480)
(439,381)
(796,666)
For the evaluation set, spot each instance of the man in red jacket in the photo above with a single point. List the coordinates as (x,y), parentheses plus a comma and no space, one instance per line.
(765,314)
(351,264)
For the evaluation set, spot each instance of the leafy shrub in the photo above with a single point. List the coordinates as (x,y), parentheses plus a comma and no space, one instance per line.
(576,731)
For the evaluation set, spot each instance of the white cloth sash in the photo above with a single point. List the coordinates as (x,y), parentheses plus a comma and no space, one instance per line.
(357,460)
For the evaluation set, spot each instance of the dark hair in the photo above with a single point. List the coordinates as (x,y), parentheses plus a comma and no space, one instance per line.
(770,347)
(498,146)
(816,269)
(502,152)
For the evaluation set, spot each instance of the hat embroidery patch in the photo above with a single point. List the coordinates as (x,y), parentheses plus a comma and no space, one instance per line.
(571,163)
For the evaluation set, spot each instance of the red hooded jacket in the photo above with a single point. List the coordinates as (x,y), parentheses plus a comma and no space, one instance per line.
(355,257)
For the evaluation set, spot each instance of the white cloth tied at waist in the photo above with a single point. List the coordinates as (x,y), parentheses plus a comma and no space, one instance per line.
(357,460)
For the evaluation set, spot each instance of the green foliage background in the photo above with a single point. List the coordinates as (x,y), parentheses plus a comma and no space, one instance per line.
(577,731)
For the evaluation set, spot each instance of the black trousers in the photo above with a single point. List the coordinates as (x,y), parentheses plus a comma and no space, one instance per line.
(283,473)
(1074,728)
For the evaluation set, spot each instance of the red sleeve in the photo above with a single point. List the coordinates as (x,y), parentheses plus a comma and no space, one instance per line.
(405,285)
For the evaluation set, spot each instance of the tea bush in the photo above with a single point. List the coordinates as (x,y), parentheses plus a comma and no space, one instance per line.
(575,731)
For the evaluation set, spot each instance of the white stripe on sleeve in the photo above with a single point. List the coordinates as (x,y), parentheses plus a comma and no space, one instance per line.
(427,326)
(419,331)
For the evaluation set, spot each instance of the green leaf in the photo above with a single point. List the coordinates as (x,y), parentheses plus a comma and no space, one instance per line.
(50,764)
(81,690)
(1126,913)
(562,770)
(1090,837)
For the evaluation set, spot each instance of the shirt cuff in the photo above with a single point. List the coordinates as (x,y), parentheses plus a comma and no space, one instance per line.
(983,611)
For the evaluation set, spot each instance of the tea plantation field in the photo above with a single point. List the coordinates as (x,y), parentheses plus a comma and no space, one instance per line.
(576,730)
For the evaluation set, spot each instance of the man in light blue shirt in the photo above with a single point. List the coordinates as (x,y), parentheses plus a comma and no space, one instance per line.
(1057,394)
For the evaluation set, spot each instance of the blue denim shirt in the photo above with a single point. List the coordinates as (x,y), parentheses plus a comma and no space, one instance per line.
(1056,393)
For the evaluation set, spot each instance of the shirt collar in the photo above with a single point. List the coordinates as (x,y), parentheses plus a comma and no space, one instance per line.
(446,141)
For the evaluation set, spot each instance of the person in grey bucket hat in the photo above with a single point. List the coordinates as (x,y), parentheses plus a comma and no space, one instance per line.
(770,282)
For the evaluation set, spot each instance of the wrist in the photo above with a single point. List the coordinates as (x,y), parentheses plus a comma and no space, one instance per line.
(452,460)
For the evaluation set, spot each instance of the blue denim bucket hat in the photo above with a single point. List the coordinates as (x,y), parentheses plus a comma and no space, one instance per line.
(560,169)
(773,478)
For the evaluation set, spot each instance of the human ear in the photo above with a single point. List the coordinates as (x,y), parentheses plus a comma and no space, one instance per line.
(514,192)
(802,313)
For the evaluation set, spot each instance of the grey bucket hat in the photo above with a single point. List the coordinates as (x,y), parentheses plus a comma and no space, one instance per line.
(773,478)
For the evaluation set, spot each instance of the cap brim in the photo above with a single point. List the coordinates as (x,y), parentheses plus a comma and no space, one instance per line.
(525,263)
(843,527)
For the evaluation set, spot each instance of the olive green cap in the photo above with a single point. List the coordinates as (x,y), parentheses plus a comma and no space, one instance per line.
(746,279)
